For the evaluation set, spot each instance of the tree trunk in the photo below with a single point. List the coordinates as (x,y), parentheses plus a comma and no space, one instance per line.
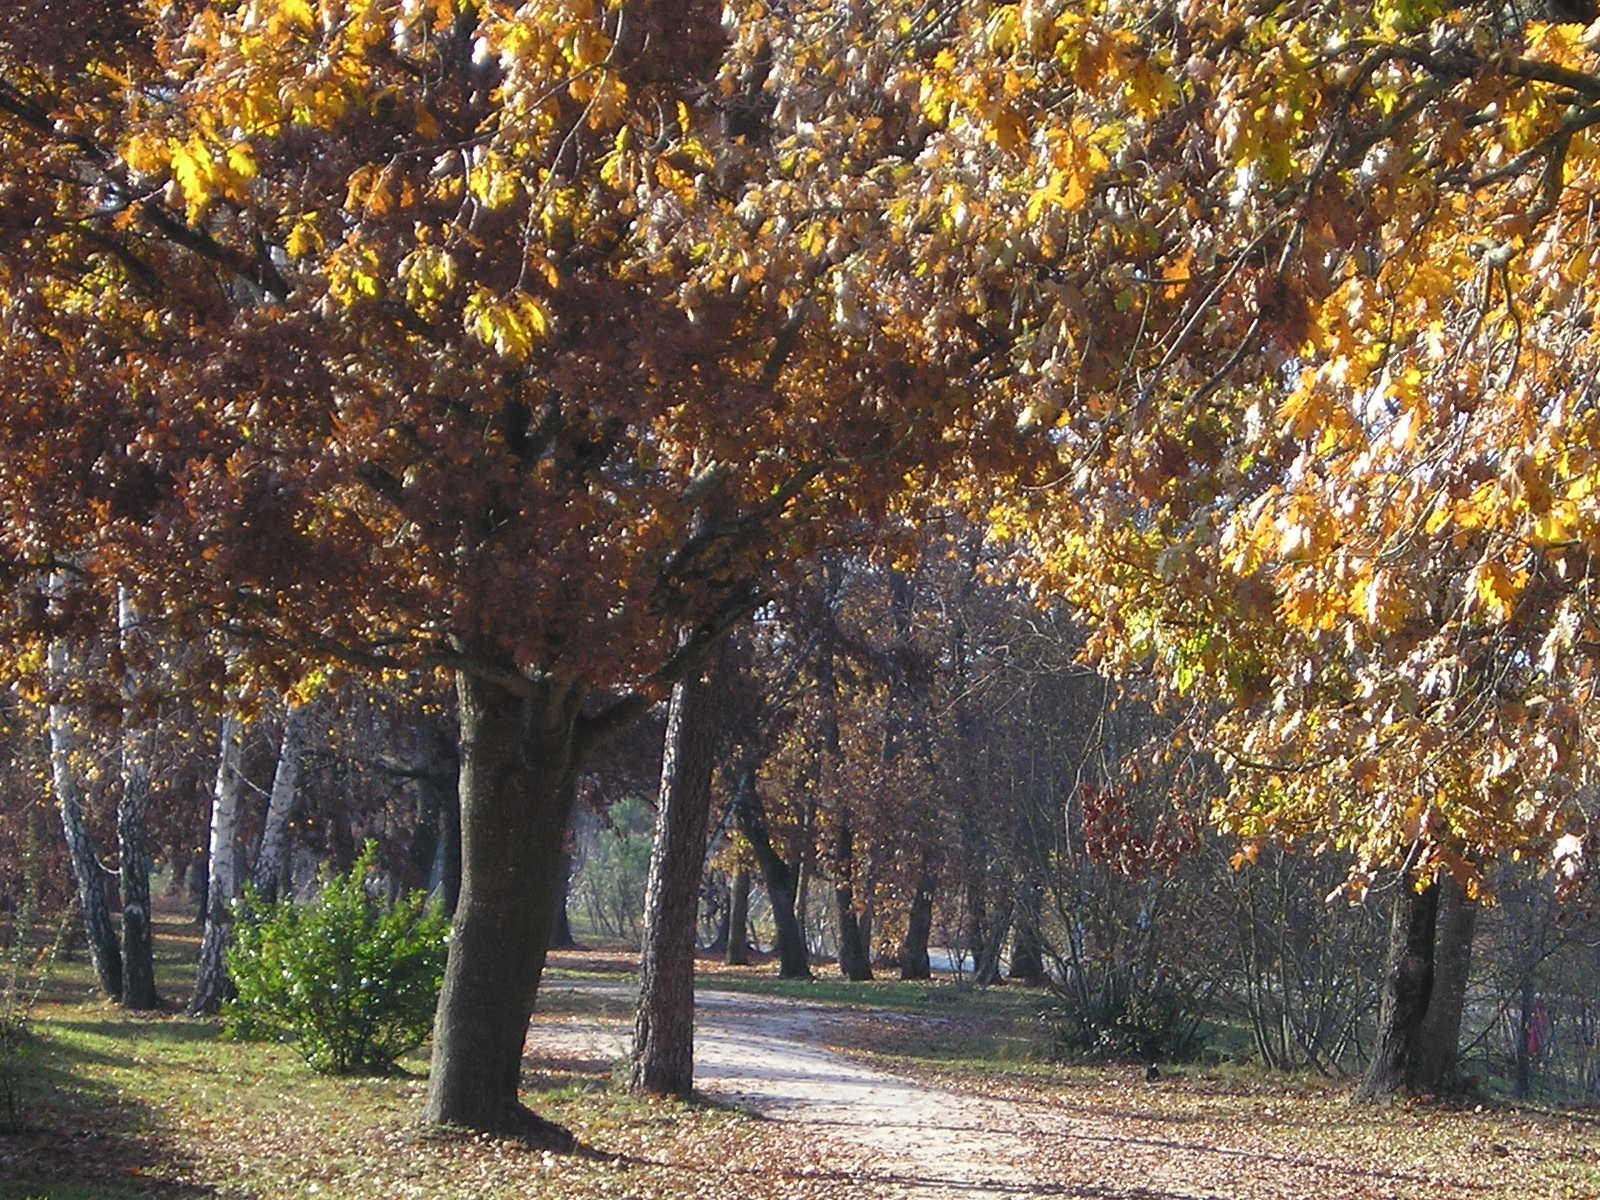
(444,876)
(663,1029)
(133,876)
(853,961)
(561,931)
(738,949)
(222,881)
(1524,1076)
(919,928)
(718,897)
(97,924)
(776,875)
(267,876)
(986,967)
(518,763)
(1440,1037)
(1408,987)
(1027,948)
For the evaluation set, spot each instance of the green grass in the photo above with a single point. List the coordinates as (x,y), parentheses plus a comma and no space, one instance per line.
(939,997)
(126,1106)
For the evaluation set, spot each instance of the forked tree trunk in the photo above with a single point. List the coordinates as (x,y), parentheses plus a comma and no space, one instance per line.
(518,762)
(268,872)
(98,928)
(663,1029)
(853,961)
(776,875)
(919,928)
(1407,990)
(1440,1038)
(737,953)
(133,876)
(222,880)
(986,967)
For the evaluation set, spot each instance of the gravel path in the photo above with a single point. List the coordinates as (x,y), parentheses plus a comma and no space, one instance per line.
(767,1054)
(760,1053)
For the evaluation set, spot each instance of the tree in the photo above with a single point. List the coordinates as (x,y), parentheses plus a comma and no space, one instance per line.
(1341,484)
(662,1061)
(223,884)
(133,874)
(373,333)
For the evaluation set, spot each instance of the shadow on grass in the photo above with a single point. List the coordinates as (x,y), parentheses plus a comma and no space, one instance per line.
(86,1139)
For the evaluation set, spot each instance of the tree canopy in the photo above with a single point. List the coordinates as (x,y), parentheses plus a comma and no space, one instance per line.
(535,342)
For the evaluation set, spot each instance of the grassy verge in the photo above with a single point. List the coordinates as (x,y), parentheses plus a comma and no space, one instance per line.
(124,1106)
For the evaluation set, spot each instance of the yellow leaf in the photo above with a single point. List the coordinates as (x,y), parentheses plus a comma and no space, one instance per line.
(303,239)
(1497,587)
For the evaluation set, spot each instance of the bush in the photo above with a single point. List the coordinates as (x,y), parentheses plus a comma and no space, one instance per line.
(1151,1020)
(349,979)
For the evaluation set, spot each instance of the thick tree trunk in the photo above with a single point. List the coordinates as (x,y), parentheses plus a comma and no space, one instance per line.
(776,875)
(222,880)
(133,876)
(1408,988)
(85,862)
(853,961)
(1440,1037)
(518,760)
(919,928)
(663,1029)
(268,874)
(737,953)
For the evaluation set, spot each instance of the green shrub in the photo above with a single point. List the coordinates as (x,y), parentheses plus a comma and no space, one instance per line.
(1128,1020)
(349,979)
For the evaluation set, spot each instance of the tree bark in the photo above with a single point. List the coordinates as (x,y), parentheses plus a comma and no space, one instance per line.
(133,876)
(267,876)
(737,953)
(1027,948)
(1440,1037)
(222,880)
(663,1029)
(101,933)
(561,931)
(1408,988)
(138,952)
(518,764)
(986,967)
(718,896)
(853,960)
(776,875)
(919,928)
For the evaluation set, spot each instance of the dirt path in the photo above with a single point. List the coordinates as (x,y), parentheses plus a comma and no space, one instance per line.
(760,1053)
(766,1054)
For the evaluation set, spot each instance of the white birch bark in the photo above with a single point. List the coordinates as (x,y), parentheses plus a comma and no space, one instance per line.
(138,959)
(86,872)
(222,877)
(280,803)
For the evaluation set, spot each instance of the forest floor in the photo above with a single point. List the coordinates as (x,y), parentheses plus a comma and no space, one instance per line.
(815,1091)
